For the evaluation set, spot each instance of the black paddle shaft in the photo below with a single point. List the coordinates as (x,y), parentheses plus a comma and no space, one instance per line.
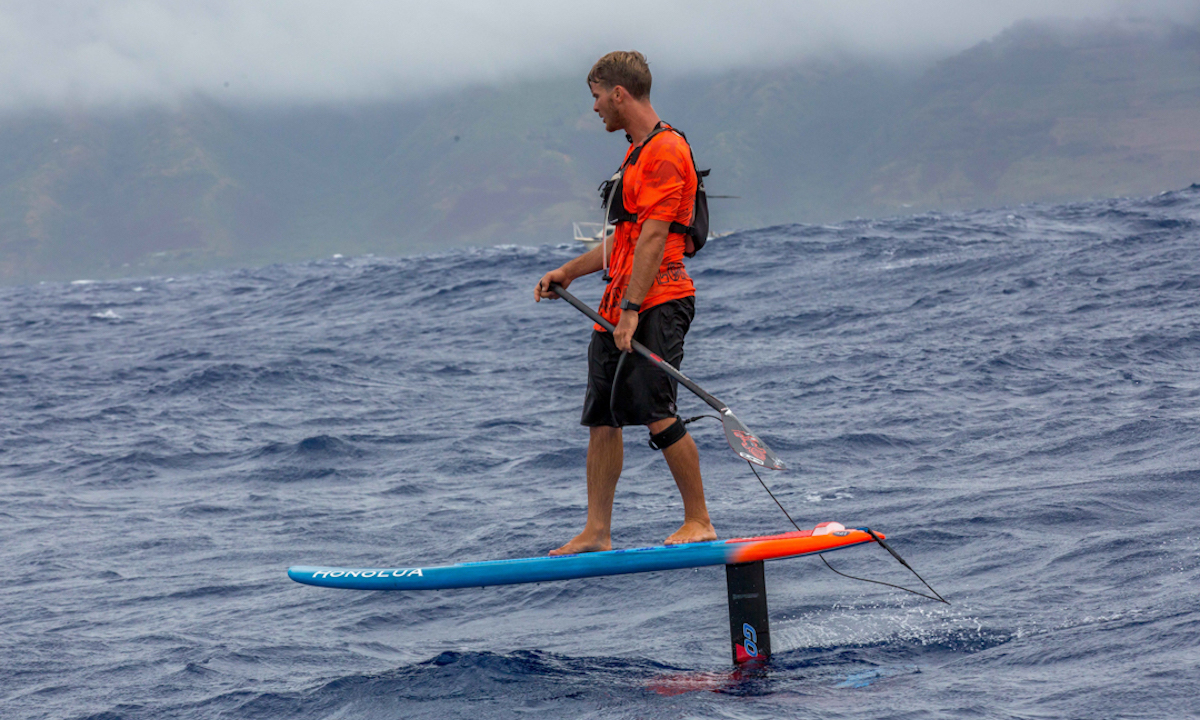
(744,443)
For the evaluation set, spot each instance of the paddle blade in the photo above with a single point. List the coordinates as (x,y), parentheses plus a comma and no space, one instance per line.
(747,444)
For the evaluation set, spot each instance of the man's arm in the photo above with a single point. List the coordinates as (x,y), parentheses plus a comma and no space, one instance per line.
(585,264)
(647,257)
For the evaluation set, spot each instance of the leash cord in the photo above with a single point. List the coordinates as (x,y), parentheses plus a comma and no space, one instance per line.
(870,532)
(760,482)
(939,598)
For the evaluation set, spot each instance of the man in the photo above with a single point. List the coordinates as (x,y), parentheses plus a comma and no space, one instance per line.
(650,298)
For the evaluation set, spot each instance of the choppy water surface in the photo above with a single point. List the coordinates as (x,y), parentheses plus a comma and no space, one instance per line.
(1011,395)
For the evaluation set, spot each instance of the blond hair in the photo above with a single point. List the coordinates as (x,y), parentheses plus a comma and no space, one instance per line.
(627,68)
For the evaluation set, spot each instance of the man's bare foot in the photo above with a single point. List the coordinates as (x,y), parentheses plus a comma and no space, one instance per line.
(692,531)
(585,542)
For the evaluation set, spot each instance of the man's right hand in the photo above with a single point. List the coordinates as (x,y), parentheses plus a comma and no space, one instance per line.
(543,287)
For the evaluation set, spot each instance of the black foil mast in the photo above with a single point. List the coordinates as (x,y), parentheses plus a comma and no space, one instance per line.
(744,443)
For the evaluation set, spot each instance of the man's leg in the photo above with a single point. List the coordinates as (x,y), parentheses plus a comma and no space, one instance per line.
(684,461)
(606,455)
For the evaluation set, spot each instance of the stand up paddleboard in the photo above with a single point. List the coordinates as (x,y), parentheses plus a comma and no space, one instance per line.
(822,538)
(743,558)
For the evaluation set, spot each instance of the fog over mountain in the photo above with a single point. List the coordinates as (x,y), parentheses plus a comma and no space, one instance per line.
(121,53)
(135,157)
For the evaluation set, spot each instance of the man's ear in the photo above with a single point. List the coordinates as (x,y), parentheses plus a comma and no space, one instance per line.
(618,93)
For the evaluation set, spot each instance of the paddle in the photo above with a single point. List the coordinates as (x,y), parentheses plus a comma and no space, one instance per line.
(744,443)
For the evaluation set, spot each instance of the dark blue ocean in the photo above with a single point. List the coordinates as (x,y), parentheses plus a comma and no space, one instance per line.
(1012,396)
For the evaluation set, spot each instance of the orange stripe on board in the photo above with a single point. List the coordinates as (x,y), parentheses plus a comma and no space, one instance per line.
(787,547)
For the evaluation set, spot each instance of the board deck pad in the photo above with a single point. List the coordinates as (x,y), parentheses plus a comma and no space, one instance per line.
(823,538)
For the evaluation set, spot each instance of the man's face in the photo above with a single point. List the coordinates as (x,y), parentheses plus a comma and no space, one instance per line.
(607,106)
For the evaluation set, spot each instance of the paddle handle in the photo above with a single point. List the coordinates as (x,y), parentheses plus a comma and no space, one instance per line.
(642,350)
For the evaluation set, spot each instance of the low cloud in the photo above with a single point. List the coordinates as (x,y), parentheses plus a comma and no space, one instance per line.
(120,53)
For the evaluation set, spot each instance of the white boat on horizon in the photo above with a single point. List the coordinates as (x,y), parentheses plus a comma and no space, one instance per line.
(589,233)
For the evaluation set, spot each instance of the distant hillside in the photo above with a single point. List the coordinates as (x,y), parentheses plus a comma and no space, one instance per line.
(1045,113)
(1039,113)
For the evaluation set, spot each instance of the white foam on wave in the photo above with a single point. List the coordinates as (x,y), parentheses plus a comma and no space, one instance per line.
(867,624)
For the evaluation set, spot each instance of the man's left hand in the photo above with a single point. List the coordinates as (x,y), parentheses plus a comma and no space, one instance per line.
(626,326)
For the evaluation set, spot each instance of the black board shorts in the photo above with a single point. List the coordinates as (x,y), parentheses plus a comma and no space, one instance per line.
(626,388)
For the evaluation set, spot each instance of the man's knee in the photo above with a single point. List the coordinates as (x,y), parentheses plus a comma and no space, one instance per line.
(668,436)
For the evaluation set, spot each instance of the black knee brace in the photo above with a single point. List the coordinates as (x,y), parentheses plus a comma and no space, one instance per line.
(665,439)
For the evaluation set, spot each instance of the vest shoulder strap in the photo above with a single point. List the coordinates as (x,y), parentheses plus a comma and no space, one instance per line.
(637,151)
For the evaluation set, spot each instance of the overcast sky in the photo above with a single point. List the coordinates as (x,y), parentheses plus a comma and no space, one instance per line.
(78,53)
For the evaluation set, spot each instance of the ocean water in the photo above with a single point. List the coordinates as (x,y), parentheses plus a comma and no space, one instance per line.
(1013,396)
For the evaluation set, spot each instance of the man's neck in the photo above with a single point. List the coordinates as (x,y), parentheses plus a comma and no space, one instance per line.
(642,121)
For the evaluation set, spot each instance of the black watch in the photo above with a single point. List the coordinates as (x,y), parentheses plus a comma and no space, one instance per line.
(627,305)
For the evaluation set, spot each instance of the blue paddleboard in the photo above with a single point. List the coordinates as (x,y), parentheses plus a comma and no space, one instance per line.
(823,538)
